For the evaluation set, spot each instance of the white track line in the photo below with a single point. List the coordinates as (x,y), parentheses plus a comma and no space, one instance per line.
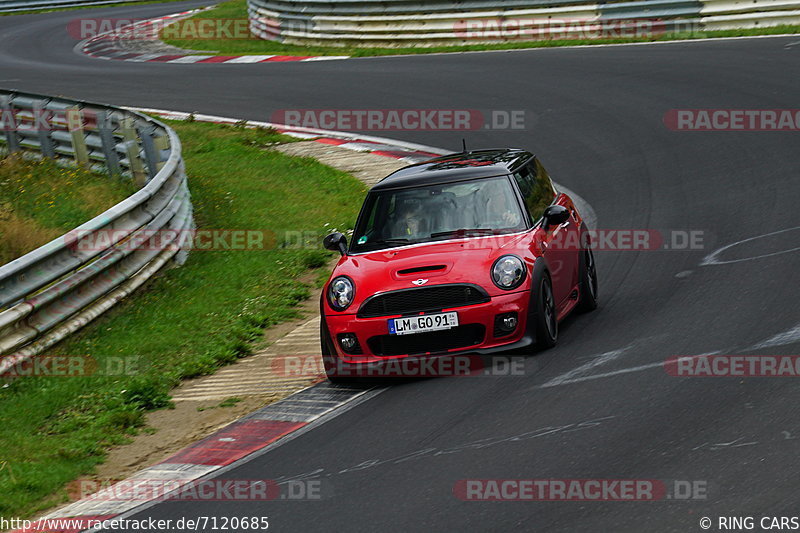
(249,59)
(611,45)
(596,361)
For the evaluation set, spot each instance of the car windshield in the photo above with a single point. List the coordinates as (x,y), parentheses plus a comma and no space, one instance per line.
(462,209)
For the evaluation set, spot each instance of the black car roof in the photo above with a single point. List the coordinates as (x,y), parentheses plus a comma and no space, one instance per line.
(456,167)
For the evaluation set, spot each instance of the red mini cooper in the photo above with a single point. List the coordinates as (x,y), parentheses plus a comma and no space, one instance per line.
(475,252)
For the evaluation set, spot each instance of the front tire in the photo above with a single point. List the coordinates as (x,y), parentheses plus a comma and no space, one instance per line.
(546,317)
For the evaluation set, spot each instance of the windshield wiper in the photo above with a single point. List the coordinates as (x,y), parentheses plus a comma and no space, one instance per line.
(388,241)
(463,232)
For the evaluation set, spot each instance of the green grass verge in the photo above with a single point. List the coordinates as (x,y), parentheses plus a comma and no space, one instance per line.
(237,9)
(40,200)
(186,322)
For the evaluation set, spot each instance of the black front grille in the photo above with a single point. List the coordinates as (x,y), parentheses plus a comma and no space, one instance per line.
(430,342)
(423,299)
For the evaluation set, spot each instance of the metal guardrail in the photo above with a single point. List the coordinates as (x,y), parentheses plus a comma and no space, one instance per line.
(651,9)
(58,288)
(12,6)
(734,14)
(391,23)
(402,7)
(420,28)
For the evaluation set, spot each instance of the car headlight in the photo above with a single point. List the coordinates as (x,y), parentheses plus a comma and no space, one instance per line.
(341,292)
(508,272)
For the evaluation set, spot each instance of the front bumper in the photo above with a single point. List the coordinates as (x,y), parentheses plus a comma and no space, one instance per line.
(373,333)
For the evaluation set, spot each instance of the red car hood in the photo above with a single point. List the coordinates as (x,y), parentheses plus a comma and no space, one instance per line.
(455,261)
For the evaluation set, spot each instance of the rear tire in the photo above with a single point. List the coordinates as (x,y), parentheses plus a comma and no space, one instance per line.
(588,295)
(546,318)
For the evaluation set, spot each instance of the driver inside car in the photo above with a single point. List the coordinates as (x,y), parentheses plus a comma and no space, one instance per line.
(409,221)
(501,209)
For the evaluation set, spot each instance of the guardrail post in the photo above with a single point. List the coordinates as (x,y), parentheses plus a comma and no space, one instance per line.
(132,149)
(109,144)
(44,126)
(150,152)
(75,128)
(162,145)
(9,123)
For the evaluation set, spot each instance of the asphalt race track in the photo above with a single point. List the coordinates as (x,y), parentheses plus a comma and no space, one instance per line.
(598,405)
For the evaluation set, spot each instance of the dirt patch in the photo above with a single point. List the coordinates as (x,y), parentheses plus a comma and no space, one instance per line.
(167,431)
(369,168)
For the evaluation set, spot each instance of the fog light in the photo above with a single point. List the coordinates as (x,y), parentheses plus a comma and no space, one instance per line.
(349,343)
(505,324)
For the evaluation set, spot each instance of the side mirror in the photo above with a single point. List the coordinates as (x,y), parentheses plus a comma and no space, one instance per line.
(555,215)
(336,242)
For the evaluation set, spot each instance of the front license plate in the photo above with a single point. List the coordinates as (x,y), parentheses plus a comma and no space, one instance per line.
(422,323)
